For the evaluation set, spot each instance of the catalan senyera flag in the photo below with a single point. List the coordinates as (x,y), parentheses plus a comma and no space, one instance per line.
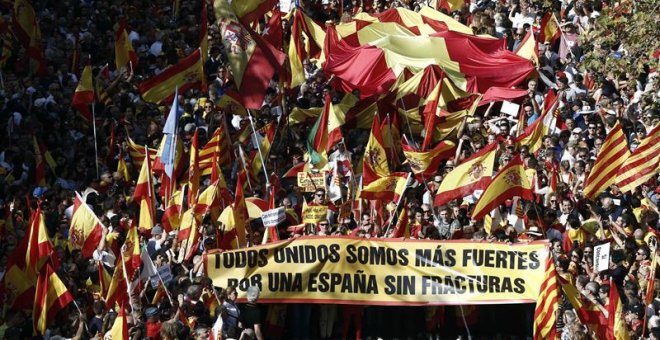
(317,140)
(188,73)
(510,181)
(528,48)
(253,62)
(86,229)
(138,153)
(125,55)
(51,296)
(374,163)
(389,187)
(472,174)
(234,236)
(547,304)
(306,42)
(252,10)
(84,95)
(219,146)
(642,164)
(550,30)
(144,196)
(612,155)
(172,214)
(119,330)
(533,135)
(426,163)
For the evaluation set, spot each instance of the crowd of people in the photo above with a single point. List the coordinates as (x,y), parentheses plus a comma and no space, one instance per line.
(36,110)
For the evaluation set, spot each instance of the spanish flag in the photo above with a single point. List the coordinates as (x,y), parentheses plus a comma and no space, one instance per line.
(213,199)
(50,297)
(426,163)
(204,33)
(374,162)
(104,278)
(252,61)
(588,314)
(533,135)
(473,174)
(317,140)
(193,170)
(42,157)
(144,196)
(510,181)
(252,10)
(86,229)
(119,330)
(122,169)
(616,324)
(172,215)
(188,73)
(612,155)
(550,30)
(188,234)
(84,95)
(388,188)
(547,304)
(306,43)
(39,247)
(266,143)
(528,48)
(23,18)
(402,228)
(125,55)
(642,164)
(131,252)
(427,21)
(234,236)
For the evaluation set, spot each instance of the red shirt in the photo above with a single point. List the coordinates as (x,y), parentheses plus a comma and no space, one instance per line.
(153,330)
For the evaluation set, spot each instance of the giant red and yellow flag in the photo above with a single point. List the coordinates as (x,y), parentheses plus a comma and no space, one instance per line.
(252,10)
(426,21)
(188,73)
(125,55)
(612,155)
(144,196)
(119,330)
(473,174)
(84,95)
(533,135)
(374,162)
(86,229)
(50,297)
(388,188)
(306,42)
(426,163)
(550,30)
(253,62)
(642,164)
(510,181)
(547,304)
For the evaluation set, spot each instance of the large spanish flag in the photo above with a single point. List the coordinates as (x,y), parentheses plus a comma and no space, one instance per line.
(253,62)
(188,73)
(427,163)
(426,21)
(388,188)
(86,229)
(610,158)
(125,55)
(84,95)
(510,181)
(643,163)
(50,297)
(374,161)
(473,174)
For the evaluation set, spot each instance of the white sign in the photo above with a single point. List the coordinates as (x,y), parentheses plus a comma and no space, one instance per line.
(602,257)
(510,108)
(273,217)
(285,6)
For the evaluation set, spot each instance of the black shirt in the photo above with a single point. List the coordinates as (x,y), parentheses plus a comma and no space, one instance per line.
(250,315)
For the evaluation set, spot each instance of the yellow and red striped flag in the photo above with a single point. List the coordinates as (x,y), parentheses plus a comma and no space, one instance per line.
(122,169)
(119,330)
(193,170)
(374,163)
(252,10)
(172,215)
(612,155)
(204,32)
(510,181)
(266,143)
(86,229)
(426,163)
(388,188)
(533,135)
(234,236)
(188,73)
(402,228)
(219,146)
(189,234)
(84,95)
(528,48)
(306,42)
(144,196)
(473,174)
(125,55)
(617,327)
(26,29)
(51,296)
(547,304)
(642,164)
(138,153)
(550,30)
(253,61)
(104,278)
(317,140)
(39,247)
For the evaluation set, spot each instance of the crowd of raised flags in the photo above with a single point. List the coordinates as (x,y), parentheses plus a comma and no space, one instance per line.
(398,106)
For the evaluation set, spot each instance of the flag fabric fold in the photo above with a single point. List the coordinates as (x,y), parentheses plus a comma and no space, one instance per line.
(186,74)
(612,155)
(84,95)
(51,296)
(643,163)
(86,229)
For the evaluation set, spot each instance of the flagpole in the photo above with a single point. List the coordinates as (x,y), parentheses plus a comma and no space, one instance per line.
(398,203)
(561,32)
(96,147)
(405,114)
(263,164)
(247,176)
(128,283)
